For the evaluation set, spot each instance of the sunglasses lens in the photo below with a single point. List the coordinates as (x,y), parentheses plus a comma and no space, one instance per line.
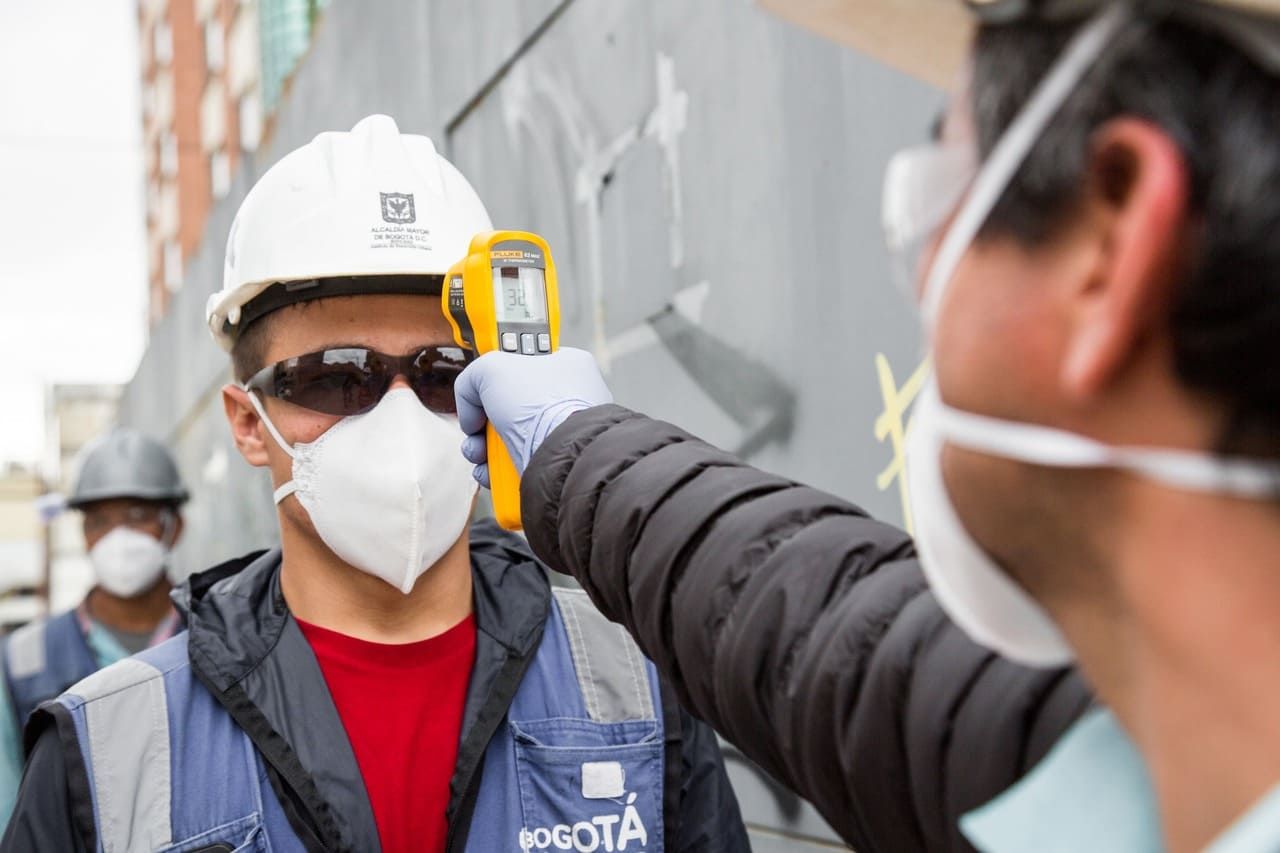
(923,187)
(352,381)
(435,371)
(337,383)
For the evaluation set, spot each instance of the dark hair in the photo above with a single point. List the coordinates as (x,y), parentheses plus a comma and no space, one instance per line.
(249,350)
(1223,112)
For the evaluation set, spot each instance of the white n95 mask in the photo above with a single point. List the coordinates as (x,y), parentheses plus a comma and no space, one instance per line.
(975,592)
(387,491)
(971,587)
(128,562)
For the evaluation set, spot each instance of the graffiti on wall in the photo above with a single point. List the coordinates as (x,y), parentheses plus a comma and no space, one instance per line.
(892,426)
(547,121)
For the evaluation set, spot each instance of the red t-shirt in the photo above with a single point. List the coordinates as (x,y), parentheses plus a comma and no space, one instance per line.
(402,708)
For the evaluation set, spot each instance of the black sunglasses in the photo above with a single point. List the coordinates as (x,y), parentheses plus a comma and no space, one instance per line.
(352,380)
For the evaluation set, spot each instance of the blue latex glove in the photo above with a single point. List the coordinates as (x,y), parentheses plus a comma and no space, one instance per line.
(526,398)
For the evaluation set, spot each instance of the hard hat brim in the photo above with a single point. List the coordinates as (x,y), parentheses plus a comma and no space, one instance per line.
(927,39)
(82,499)
(275,296)
(930,39)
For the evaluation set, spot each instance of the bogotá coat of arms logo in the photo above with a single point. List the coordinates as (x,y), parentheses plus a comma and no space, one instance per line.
(398,208)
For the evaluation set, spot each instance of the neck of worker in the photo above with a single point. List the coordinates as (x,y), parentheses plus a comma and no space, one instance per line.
(322,589)
(1187,651)
(137,615)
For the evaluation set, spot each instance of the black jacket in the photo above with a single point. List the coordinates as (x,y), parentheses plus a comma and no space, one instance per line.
(249,652)
(801,629)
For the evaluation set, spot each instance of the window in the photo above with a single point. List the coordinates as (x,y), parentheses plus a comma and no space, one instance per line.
(169,155)
(215,46)
(149,101)
(250,121)
(154,200)
(167,222)
(220,174)
(162,46)
(213,116)
(164,99)
(243,52)
(172,265)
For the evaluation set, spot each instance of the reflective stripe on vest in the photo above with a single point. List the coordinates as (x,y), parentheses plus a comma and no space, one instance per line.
(168,767)
(44,658)
(612,672)
(571,768)
(126,731)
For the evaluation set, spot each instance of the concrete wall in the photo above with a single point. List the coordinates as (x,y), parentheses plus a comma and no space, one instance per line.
(709,179)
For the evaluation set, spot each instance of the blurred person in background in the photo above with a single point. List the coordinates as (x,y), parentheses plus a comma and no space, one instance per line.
(1094,468)
(391,677)
(129,493)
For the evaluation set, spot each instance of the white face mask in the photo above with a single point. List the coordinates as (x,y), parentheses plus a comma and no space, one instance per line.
(387,491)
(128,562)
(974,591)
(970,586)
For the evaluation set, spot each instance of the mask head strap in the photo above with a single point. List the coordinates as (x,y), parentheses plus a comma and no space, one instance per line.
(169,529)
(1040,445)
(290,487)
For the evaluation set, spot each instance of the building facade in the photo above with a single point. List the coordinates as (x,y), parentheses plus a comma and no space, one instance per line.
(22,546)
(212,72)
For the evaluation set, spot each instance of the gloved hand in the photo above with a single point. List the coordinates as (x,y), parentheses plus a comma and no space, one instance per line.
(526,398)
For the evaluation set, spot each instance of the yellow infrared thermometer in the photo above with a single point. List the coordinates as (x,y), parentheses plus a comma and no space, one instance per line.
(503,298)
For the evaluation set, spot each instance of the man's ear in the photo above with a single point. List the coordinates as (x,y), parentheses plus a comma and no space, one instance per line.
(246,426)
(178,526)
(1136,204)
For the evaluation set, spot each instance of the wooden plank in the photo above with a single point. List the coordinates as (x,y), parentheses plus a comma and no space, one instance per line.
(928,39)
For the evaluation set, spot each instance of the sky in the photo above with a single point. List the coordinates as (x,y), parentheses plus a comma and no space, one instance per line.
(72,230)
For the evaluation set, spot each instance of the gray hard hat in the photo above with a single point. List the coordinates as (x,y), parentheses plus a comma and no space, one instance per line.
(124,463)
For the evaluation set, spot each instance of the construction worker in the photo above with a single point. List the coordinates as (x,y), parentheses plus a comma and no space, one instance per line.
(389,678)
(1094,467)
(129,493)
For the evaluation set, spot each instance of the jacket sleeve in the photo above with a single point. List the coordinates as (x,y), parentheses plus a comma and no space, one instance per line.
(798,627)
(42,818)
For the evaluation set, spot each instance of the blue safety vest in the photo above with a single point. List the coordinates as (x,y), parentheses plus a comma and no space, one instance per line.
(578,764)
(44,658)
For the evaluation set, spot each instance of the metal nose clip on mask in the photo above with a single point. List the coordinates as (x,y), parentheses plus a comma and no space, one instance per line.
(387,490)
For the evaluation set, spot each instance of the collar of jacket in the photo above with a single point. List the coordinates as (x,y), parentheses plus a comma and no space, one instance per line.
(247,650)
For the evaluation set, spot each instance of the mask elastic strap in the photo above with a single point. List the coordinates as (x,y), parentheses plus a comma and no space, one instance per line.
(290,487)
(1054,448)
(167,532)
(1016,143)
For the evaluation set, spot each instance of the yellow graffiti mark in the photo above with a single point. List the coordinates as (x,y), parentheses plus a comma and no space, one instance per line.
(893,424)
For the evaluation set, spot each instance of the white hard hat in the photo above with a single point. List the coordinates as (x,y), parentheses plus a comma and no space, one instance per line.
(362,208)
(929,39)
